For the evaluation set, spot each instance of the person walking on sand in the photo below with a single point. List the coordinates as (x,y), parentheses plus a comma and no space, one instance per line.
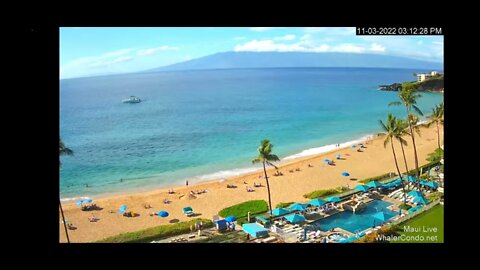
(186,183)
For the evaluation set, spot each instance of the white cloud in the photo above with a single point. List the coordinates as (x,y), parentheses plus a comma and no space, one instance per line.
(82,66)
(305,46)
(150,51)
(375,47)
(351,48)
(262,29)
(286,37)
(116,53)
(431,48)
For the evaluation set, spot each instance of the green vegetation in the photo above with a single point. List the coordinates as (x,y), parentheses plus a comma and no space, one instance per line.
(156,233)
(394,129)
(284,204)
(241,210)
(405,206)
(437,118)
(423,168)
(430,225)
(435,156)
(373,237)
(377,178)
(434,196)
(266,157)
(408,97)
(321,193)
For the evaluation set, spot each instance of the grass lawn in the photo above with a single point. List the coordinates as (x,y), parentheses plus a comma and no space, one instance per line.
(241,210)
(425,223)
(155,233)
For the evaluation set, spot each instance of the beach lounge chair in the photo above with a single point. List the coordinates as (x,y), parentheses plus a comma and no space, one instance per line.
(188,211)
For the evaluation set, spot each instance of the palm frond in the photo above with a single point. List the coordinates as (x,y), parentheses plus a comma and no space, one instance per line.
(271,164)
(395,103)
(257,160)
(385,143)
(272,157)
(383,125)
(403,141)
(417,110)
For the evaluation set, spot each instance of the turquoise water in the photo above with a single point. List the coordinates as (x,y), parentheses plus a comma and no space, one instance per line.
(201,125)
(356,222)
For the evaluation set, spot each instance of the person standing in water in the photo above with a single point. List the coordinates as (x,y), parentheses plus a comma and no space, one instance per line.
(186,183)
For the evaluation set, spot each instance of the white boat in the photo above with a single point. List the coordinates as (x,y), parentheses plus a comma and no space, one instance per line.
(132,99)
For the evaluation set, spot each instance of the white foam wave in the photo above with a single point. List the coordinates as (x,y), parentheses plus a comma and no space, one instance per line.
(326,148)
(74,199)
(225,174)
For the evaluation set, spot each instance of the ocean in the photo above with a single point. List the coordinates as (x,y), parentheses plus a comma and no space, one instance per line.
(203,125)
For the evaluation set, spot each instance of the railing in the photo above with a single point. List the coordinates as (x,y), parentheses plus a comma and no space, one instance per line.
(287,237)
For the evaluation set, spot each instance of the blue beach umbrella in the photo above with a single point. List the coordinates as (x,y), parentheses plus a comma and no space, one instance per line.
(88,201)
(338,156)
(163,213)
(297,207)
(279,211)
(345,174)
(431,184)
(231,218)
(334,199)
(317,202)
(326,160)
(381,216)
(353,146)
(295,218)
(122,209)
(421,200)
(79,203)
(361,188)
(415,193)
(411,178)
(361,144)
(374,184)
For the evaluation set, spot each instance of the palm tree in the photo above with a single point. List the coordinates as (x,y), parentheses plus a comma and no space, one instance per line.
(408,97)
(265,157)
(402,130)
(64,151)
(437,118)
(391,130)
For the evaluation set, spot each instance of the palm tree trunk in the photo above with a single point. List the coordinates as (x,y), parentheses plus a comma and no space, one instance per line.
(417,171)
(404,158)
(63,218)
(398,170)
(438,135)
(268,189)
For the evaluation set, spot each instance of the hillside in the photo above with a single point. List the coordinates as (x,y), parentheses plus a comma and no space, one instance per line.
(231,60)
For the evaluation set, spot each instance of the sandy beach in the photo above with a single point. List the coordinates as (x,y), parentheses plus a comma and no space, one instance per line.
(373,161)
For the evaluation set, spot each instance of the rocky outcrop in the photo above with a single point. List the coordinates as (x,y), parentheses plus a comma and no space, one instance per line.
(432,85)
(391,87)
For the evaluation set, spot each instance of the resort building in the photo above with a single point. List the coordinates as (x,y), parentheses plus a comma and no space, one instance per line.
(423,76)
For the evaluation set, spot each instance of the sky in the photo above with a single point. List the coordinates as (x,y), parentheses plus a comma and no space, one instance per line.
(90,51)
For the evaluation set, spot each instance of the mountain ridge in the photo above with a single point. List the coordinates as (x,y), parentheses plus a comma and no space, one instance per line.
(236,60)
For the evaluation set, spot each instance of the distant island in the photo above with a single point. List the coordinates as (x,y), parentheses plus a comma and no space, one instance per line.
(237,60)
(429,82)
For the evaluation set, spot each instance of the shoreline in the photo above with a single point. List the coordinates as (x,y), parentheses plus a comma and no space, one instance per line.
(288,160)
(374,160)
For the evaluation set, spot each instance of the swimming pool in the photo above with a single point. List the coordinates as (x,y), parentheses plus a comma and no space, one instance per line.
(356,222)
